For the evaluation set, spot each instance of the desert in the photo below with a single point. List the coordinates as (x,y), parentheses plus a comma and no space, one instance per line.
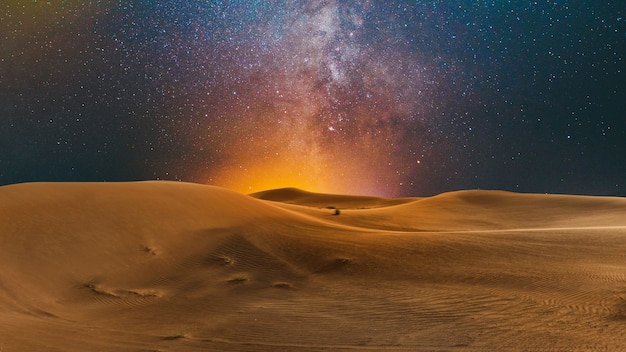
(174,266)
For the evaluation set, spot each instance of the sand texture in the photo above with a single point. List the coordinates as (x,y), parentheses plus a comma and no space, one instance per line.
(166,266)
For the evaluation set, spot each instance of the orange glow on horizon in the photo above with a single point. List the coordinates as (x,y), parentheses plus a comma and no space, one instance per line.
(257,178)
(310,173)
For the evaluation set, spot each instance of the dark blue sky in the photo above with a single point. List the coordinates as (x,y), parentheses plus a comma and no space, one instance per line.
(388,98)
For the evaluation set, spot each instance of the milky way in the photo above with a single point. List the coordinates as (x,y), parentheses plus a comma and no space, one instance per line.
(370,97)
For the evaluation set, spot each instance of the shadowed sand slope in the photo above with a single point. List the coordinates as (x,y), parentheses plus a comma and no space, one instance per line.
(164,266)
(300,197)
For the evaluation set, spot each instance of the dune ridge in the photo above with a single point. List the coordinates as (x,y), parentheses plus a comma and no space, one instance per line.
(171,266)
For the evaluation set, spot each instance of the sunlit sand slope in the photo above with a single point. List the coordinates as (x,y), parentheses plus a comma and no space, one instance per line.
(163,266)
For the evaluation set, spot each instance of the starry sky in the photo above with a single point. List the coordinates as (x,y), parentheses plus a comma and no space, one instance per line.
(389,98)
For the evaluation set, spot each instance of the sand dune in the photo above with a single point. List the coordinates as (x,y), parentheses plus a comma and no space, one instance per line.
(164,266)
(320,200)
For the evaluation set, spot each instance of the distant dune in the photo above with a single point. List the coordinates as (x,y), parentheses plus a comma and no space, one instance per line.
(169,266)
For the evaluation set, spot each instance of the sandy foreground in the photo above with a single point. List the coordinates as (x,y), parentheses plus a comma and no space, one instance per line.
(168,266)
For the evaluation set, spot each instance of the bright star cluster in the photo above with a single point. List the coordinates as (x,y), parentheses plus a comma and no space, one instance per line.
(371,97)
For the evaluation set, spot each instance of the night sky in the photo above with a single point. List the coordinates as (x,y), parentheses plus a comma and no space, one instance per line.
(391,98)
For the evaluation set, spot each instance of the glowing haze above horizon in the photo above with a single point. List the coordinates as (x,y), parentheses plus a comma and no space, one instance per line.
(389,98)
